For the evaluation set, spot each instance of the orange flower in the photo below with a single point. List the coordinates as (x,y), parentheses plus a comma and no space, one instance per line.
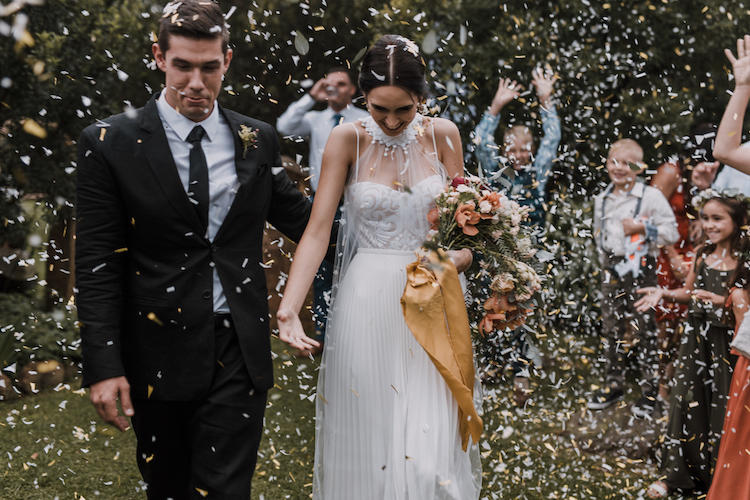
(501,314)
(499,303)
(466,218)
(487,324)
(433,217)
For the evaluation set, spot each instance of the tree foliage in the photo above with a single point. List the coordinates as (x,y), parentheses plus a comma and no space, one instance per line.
(648,70)
(82,61)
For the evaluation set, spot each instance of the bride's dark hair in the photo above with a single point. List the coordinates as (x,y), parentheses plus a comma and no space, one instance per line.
(393,60)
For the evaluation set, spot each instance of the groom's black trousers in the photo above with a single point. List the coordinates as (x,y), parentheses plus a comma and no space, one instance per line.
(205,449)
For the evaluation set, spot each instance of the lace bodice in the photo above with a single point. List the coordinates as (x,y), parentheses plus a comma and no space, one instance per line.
(392,219)
(392,188)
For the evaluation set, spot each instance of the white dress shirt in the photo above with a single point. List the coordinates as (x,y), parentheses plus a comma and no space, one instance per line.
(610,210)
(218,146)
(730,178)
(299,121)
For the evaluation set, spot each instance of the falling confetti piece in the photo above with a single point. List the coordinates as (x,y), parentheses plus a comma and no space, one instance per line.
(33,128)
(301,44)
(153,318)
(430,42)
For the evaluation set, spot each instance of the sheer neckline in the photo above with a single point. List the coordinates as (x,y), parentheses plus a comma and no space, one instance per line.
(402,140)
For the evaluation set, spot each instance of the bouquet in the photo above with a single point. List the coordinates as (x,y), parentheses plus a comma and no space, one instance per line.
(471,215)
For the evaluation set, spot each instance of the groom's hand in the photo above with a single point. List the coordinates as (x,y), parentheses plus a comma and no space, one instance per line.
(104,395)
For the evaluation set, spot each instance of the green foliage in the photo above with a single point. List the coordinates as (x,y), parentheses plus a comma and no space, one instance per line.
(28,333)
(83,64)
(572,290)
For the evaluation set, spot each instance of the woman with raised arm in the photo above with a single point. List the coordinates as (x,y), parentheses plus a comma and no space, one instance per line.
(388,425)
(728,148)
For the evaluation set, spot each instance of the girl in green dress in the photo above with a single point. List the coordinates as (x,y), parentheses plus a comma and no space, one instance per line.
(704,369)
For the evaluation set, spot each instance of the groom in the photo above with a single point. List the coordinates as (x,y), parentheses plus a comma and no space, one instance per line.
(172,202)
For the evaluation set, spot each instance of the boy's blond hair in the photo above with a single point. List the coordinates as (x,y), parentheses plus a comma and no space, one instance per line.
(629,145)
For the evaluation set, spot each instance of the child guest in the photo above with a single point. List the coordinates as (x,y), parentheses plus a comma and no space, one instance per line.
(696,168)
(732,473)
(525,179)
(531,168)
(631,222)
(698,400)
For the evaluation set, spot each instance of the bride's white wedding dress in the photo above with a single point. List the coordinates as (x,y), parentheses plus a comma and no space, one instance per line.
(387,425)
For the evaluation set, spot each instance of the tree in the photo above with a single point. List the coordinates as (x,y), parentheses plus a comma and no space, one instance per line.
(75,61)
(646,69)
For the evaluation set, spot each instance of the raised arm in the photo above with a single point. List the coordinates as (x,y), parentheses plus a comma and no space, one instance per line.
(729,136)
(544,84)
(507,91)
(338,156)
(486,150)
(547,152)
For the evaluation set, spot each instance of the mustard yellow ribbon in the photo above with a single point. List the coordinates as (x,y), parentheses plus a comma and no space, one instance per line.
(435,312)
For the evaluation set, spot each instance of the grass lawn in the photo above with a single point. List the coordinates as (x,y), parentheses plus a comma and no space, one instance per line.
(53,445)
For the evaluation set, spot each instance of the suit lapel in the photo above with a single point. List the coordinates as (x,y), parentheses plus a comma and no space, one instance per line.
(247,169)
(159,157)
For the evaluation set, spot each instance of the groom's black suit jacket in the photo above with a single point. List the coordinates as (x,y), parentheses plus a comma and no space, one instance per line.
(144,268)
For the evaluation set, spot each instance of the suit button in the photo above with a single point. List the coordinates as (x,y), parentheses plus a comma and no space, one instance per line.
(214,248)
(206,294)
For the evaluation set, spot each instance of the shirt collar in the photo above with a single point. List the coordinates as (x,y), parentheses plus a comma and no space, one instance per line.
(637,190)
(183,125)
(343,112)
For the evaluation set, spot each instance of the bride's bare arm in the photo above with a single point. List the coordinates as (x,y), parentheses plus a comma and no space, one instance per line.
(338,156)
(451,154)
(449,148)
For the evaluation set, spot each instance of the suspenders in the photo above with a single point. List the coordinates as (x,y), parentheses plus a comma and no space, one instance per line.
(604,204)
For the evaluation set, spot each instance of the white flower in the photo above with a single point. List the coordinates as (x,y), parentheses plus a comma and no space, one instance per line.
(485,207)
(524,246)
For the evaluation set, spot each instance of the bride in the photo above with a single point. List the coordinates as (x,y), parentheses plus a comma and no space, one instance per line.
(387,423)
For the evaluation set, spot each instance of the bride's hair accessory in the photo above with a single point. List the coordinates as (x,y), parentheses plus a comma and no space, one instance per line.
(393,60)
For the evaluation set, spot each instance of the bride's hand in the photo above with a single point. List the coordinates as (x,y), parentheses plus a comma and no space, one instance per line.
(291,331)
(461,258)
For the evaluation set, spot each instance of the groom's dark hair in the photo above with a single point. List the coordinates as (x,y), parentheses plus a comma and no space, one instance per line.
(196,19)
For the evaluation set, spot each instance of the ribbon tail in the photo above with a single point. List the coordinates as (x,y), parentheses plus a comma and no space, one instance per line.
(434,310)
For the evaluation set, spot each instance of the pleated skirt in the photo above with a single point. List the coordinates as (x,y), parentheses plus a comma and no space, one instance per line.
(386,422)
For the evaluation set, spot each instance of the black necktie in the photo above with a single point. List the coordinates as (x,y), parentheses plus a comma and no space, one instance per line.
(337,118)
(198,186)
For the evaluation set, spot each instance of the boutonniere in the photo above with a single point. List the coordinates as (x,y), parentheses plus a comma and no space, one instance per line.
(249,139)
